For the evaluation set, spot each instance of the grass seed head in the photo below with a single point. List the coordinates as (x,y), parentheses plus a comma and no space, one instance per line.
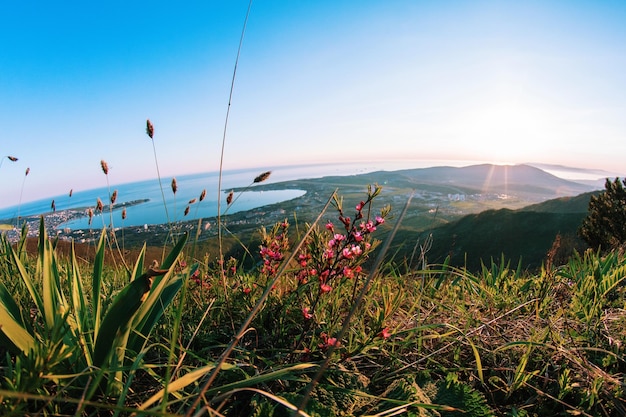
(12,158)
(193,200)
(114,197)
(186,210)
(105,167)
(262,177)
(202,195)
(53,206)
(174,185)
(149,129)
(27,172)
(99,205)
(229,198)
(71,191)
(124,214)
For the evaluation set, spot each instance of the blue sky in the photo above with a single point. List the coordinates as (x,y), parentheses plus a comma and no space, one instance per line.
(318,81)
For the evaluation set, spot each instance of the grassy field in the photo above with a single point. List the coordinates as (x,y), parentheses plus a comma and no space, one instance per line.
(313,318)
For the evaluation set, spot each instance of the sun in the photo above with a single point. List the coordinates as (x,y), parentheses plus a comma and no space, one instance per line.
(505,134)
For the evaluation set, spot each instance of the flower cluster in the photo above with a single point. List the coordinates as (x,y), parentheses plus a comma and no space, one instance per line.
(329,265)
(200,281)
(337,253)
(274,245)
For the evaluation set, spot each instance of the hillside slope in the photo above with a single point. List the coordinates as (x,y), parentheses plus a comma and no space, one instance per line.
(526,234)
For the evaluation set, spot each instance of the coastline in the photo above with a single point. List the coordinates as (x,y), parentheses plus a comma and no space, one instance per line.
(156,234)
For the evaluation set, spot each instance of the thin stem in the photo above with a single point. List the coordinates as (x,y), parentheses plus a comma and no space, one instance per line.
(219,181)
(230,99)
(156,162)
(19,205)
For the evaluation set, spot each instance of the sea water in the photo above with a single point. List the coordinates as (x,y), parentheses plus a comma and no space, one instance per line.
(146,204)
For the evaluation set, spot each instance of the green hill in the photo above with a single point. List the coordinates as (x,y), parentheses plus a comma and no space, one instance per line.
(576,204)
(526,234)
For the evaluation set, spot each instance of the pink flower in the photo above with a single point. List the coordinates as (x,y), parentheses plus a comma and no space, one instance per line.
(330,226)
(379,220)
(328,341)
(356,250)
(385,333)
(347,253)
(339,237)
(247,290)
(359,206)
(325,288)
(357,236)
(348,273)
(369,226)
(307,313)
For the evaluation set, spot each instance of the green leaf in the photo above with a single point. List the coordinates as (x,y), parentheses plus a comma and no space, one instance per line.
(7,301)
(80,323)
(162,293)
(17,334)
(49,272)
(118,316)
(178,384)
(25,277)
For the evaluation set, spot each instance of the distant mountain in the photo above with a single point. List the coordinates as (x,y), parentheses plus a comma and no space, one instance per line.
(502,179)
(522,180)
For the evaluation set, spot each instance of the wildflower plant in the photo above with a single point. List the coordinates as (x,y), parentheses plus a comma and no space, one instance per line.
(336,254)
(328,271)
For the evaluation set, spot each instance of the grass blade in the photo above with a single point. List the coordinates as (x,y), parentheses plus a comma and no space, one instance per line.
(119,315)
(15,332)
(96,283)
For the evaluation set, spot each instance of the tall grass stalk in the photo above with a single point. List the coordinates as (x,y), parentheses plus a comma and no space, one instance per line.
(150,133)
(112,200)
(19,204)
(221,168)
(230,99)
(199,227)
